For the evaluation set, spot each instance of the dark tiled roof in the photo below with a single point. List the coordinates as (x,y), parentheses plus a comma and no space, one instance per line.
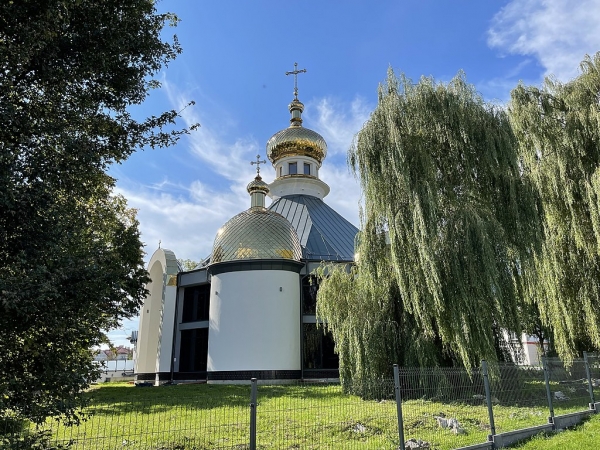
(323,233)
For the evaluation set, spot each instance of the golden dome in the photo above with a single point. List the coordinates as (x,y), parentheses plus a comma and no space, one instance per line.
(257,185)
(257,233)
(296,140)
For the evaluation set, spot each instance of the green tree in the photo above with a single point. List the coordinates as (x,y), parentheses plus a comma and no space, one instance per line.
(70,252)
(441,180)
(558,130)
(188,264)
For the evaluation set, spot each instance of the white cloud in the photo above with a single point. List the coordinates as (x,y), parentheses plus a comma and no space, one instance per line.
(338,121)
(185,223)
(186,217)
(557,33)
(227,159)
(497,89)
(345,193)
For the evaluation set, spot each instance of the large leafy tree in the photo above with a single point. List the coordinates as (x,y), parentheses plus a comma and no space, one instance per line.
(441,178)
(558,131)
(70,252)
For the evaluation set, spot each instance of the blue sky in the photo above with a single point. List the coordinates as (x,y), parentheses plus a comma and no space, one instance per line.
(235,55)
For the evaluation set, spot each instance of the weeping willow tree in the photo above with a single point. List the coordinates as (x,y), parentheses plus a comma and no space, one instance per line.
(447,227)
(558,129)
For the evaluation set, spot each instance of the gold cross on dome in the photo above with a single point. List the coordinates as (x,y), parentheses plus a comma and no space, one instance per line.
(258,162)
(295,72)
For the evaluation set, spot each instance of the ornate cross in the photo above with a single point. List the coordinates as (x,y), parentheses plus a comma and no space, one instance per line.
(258,162)
(295,72)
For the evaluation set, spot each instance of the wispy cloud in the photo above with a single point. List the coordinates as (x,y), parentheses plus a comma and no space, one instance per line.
(498,89)
(345,193)
(186,216)
(224,157)
(555,32)
(338,121)
(185,223)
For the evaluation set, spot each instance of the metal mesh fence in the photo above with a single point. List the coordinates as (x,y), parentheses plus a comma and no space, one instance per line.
(441,408)
(321,415)
(568,386)
(518,396)
(172,418)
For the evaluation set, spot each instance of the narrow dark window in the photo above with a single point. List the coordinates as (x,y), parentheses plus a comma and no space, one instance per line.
(293,168)
(306,169)
(319,349)
(309,295)
(280,170)
(196,303)
(193,352)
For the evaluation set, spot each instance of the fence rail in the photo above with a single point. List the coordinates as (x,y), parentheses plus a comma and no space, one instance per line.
(433,408)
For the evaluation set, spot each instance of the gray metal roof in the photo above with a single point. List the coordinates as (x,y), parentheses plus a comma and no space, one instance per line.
(323,233)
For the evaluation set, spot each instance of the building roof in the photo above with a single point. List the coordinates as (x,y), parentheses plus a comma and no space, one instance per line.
(324,234)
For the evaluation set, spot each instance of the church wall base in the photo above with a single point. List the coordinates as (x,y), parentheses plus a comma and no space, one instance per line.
(321,374)
(153,376)
(229,376)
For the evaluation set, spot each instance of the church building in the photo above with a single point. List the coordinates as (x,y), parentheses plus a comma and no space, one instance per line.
(248,310)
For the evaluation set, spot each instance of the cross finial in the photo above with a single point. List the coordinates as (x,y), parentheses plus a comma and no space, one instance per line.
(295,72)
(258,162)
(159,242)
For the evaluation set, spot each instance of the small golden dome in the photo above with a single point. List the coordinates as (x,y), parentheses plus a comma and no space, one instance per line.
(257,185)
(296,140)
(257,233)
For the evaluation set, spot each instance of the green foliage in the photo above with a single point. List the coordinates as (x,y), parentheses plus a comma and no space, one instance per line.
(441,179)
(187,264)
(70,252)
(558,131)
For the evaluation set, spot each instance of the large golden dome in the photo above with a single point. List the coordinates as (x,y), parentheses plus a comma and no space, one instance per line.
(296,140)
(257,233)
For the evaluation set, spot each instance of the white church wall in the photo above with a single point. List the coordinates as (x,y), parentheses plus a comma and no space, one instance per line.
(163,270)
(289,184)
(166,332)
(254,321)
(150,321)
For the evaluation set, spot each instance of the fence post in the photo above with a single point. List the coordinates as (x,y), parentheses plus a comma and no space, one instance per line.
(588,372)
(548,392)
(488,396)
(253,414)
(399,407)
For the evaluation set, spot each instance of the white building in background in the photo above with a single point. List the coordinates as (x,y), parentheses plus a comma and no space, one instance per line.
(248,310)
(525,350)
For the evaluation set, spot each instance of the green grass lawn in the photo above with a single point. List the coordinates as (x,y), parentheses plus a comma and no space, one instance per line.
(583,437)
(302,416)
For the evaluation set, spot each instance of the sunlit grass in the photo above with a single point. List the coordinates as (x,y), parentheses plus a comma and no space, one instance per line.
(583,437)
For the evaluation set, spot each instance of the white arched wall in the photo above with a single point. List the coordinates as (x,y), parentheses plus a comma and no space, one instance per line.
(254,321)
(155,337)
